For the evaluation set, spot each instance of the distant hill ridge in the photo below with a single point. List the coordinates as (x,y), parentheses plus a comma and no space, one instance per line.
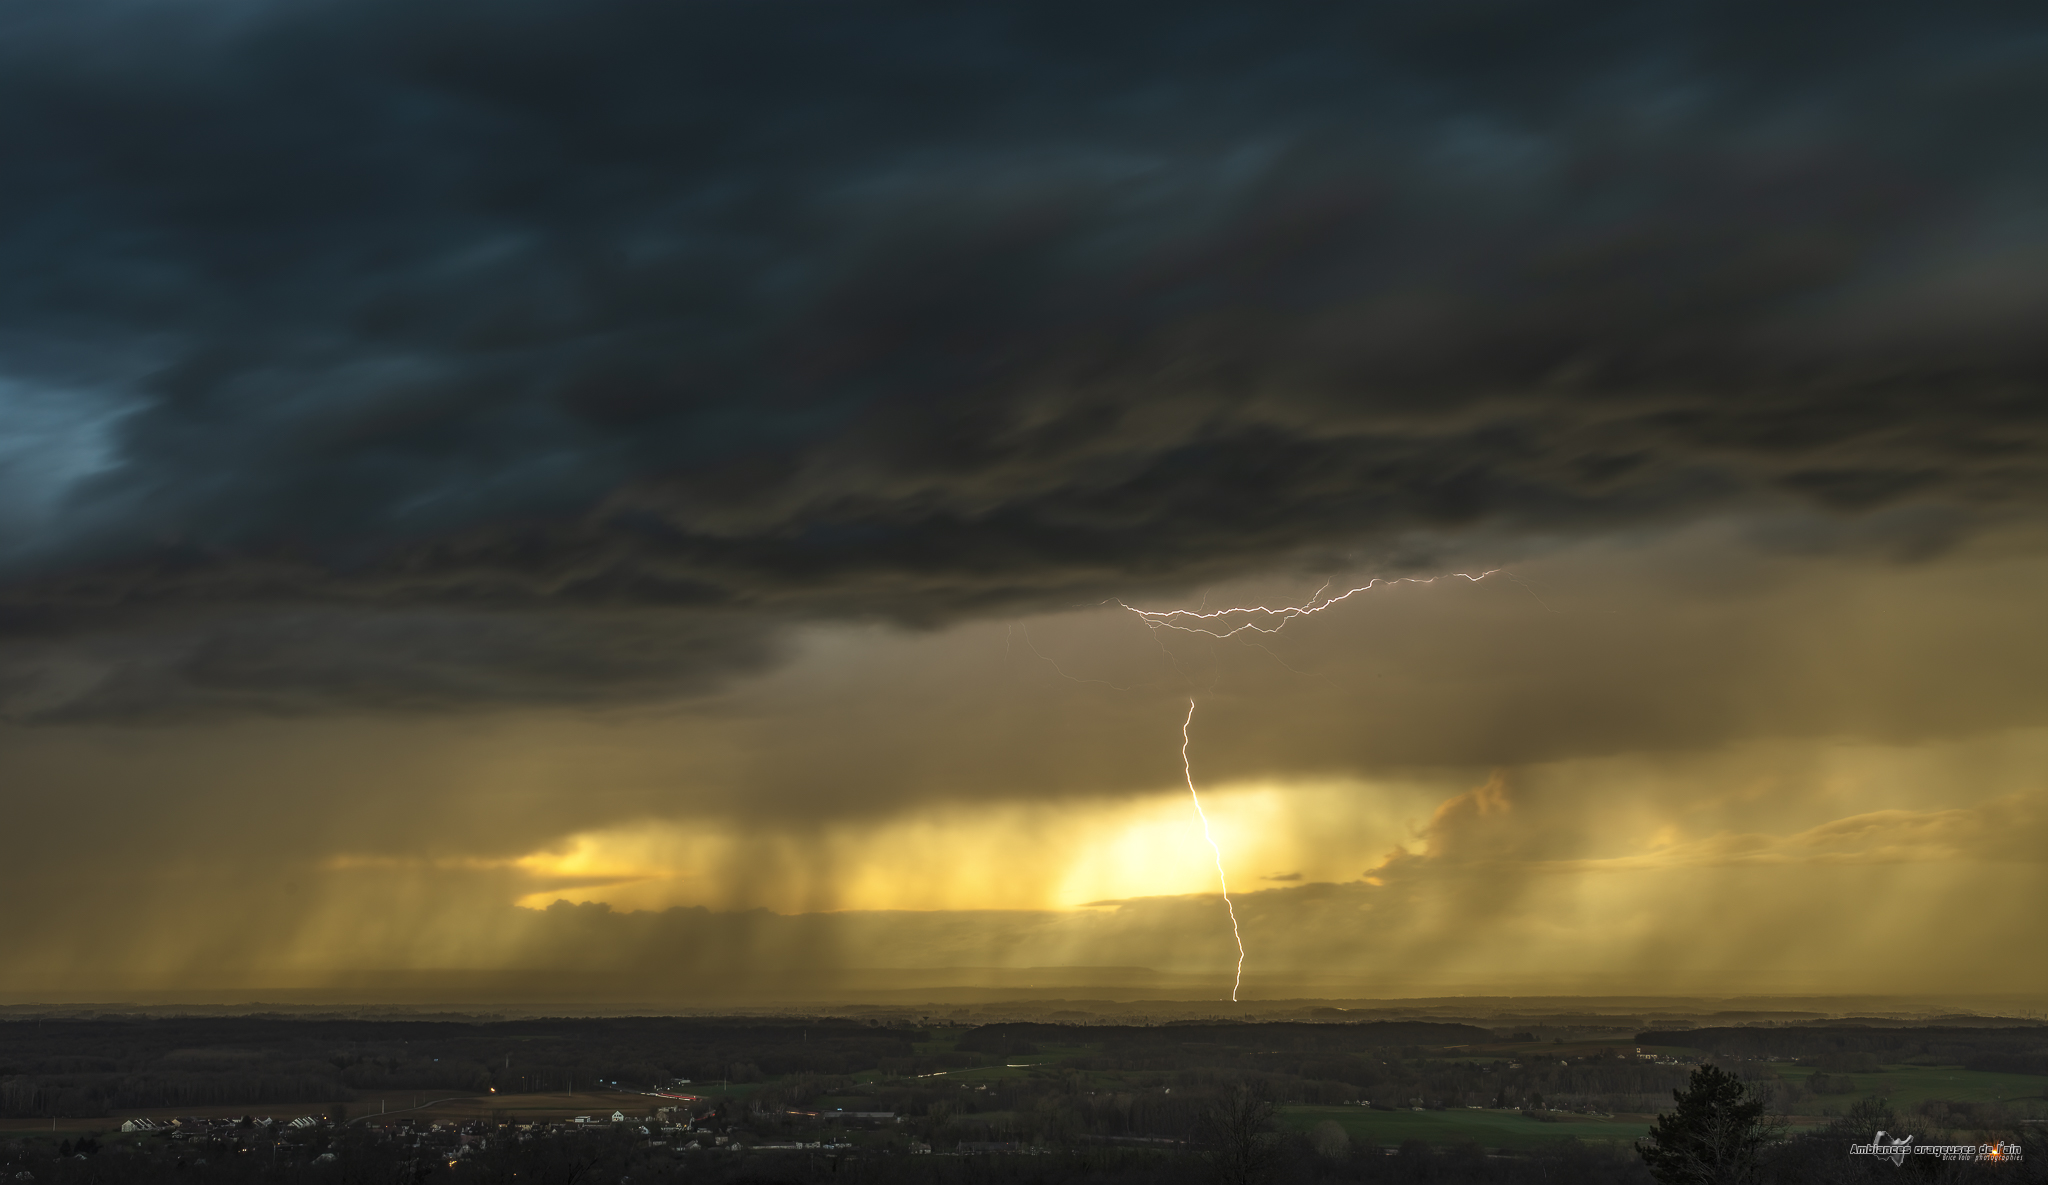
(1012,1036)
(2012,1050)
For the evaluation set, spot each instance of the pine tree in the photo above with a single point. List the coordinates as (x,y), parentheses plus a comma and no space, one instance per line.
(1713,1136)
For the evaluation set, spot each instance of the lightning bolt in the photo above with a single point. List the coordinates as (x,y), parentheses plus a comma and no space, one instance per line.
(1174,619)
(1263,619)
(1188,769)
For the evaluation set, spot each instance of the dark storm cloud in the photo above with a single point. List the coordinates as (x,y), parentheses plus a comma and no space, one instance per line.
(394,347)
(305,658)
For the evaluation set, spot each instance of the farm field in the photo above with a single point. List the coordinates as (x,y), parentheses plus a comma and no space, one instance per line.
(1908,1086)
(1015,1067)
(1493,1129)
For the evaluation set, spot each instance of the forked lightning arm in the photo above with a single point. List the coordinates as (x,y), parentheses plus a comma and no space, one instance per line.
(1185,619)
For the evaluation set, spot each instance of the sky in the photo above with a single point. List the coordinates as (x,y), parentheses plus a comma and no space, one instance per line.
(697,494)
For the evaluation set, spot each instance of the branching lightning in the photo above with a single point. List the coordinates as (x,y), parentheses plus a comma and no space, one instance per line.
(1262,619)
(1188,769)
(1177,619)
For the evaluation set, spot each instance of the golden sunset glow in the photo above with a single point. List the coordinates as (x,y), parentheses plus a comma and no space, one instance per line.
(1042,856)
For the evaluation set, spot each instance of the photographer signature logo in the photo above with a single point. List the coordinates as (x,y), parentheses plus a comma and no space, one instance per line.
(1884,1145)
(1896,1150)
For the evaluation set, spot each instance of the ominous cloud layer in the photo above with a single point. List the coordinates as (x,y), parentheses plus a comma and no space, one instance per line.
(1679,767)
(372,353)
(653,488)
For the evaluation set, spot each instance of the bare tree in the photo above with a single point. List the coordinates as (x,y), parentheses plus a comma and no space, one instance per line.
(1238,1141)
(1331,1140)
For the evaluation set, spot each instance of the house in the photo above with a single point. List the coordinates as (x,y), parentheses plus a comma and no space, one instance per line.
(139,1125)
(618,1117)
(305,1121)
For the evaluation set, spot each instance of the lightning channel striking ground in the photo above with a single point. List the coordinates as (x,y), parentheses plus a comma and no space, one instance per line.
(1188,769)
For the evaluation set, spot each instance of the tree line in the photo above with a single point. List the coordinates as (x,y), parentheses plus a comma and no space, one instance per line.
(89,1067)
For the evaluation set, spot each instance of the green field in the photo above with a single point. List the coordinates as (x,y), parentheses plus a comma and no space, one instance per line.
(1907,1086)
(1020,1066)
(1493,1129)
(1017,1066)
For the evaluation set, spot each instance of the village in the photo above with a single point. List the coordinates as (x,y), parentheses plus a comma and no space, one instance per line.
(673,1126)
